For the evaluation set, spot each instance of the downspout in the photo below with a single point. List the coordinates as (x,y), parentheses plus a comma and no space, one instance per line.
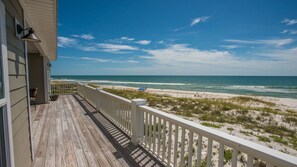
(28,93)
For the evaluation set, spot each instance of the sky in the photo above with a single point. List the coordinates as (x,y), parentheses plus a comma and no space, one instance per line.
(177,37)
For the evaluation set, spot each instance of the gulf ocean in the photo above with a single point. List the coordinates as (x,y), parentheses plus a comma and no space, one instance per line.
(275,86)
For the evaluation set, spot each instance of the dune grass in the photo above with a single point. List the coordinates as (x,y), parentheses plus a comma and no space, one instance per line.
(215,112)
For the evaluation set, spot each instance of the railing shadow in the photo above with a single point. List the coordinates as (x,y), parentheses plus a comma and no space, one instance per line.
(133,155)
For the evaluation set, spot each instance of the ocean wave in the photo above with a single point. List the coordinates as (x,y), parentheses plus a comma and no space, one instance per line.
(122,82)
(270,89)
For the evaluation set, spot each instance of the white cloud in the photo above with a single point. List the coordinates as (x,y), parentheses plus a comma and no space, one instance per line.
(84,36)
(105,47)
(66,57)
(121,40)
(115,48)
(199,20)
(66,42)
(272,42)
(143,42)
(181,28)
(289,21)
(291,31)
(99,60)
(182,59)
(127,38)
(108,60)
(96,59)
(181,53)
(132,61)
(230,46)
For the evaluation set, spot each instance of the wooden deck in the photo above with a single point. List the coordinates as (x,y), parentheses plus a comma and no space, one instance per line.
(70,132)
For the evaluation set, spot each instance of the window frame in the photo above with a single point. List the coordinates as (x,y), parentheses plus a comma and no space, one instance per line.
(5,101)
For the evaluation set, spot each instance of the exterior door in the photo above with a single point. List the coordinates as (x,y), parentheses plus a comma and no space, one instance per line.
(6,141)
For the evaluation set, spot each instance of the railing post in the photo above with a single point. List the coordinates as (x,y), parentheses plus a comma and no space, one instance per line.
(137,120)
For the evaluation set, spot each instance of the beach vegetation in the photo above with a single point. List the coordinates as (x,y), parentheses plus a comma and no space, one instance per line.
(278,139)
(230,129)
(247,133)
(263,138)
(246,99)
(227,155)
(212,125)
(217,112)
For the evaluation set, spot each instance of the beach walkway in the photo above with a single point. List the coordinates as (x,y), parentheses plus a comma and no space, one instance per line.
(70,132)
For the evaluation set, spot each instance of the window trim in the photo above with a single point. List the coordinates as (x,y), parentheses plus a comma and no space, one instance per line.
(5,102)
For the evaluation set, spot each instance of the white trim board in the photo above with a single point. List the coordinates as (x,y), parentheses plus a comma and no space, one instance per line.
(6,107)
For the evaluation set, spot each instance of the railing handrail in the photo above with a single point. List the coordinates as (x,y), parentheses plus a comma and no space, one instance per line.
(109,94)
(248,147)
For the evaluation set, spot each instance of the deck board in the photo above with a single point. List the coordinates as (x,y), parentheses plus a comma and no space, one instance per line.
(70,132)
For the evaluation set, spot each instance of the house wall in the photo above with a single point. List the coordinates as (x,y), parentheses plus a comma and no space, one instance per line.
(38,76)
(17,83)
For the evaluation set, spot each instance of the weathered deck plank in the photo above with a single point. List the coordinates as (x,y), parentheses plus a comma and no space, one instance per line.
(69,132)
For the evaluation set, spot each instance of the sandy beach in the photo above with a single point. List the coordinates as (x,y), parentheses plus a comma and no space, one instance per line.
(287,103)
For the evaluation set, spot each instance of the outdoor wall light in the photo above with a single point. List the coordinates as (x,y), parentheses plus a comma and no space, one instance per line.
(30,36)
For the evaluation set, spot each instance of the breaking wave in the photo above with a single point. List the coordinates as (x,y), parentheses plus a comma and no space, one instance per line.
(272,89)
(121,82)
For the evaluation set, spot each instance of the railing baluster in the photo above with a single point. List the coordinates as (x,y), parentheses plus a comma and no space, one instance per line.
(175,146)
(221,155)
(250,161)
(199,149)
(154,134)
(209,152)
(159,136)
(190,148)
(169,144)
(182,153)
(234,158)
(146,129)
(164,140)
(126,119)
(150,132)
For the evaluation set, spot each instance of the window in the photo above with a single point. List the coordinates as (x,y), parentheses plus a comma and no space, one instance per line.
(6,147)
(2,104)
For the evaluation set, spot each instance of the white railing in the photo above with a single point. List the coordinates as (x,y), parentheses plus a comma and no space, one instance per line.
(63,88)
(116,108)
(179,142)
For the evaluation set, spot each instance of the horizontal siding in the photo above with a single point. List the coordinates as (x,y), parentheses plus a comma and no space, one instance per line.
(18,44)
(17,95)
(16,82)
(16,68)
(15,55)
(17,85)
(19,122)
(18,108)
(14,8)
(22,150)
(17,140)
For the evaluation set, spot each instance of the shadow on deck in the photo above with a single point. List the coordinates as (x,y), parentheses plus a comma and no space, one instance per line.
(135,155)
(70,132)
